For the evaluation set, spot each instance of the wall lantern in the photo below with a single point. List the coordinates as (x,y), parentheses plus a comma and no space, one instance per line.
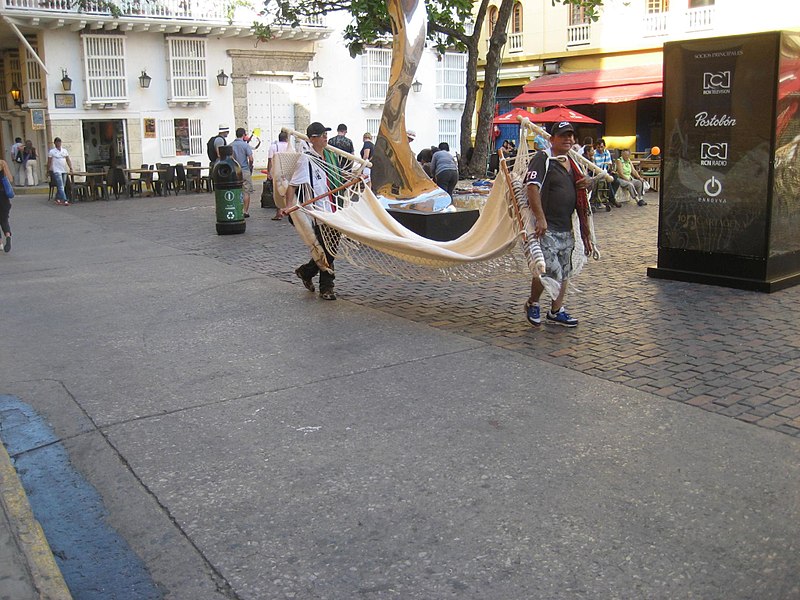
(552,68)
(317,80)
(16,95)
(416,86)
(144,80)
(66,82)
(222,78)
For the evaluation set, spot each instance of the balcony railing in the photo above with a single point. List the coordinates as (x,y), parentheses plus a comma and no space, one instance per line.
(700,19)
(579,35)
(177,9)
(515,42)
(655,24)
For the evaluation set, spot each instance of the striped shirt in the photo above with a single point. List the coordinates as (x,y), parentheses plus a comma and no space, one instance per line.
(603,159)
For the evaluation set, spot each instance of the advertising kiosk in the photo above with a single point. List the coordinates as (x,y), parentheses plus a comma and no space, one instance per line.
(729,210)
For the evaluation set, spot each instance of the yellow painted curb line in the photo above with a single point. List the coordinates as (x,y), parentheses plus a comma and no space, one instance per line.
(28,533)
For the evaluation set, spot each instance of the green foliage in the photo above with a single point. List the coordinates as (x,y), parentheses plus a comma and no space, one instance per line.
(370,20)
(590,7)
(370,23)
(110,6)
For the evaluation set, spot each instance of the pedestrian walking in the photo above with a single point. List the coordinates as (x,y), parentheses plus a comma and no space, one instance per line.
(310,180)
(556,188)
(5,208)
(276,147)
(58,162)
(243,154)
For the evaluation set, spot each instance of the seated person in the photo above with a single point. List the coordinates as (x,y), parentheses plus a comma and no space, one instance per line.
(629,177)
(602,158)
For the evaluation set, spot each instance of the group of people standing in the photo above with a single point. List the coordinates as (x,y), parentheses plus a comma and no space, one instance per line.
(25,162)
(24,159)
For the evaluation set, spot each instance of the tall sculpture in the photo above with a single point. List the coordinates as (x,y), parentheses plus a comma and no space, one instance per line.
(396,174)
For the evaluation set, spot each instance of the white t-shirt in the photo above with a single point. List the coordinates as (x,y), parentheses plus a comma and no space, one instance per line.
(59,162)
(276,147)
(300,179)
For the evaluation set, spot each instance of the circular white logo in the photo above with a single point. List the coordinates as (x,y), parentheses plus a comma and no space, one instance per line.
(229,196)
(231,215)
(713,187)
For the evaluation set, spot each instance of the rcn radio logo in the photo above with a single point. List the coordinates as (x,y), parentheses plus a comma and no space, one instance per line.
(714,154)
(717,83)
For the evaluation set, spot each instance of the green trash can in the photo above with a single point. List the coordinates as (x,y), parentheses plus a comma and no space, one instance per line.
(227,178)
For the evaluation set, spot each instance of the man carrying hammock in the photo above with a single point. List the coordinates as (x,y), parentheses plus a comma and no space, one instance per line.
(309,180)
(556,188)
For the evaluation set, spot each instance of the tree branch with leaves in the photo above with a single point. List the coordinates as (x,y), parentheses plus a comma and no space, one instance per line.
(446,31)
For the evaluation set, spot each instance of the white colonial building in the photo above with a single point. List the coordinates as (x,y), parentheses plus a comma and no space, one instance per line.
(153,84)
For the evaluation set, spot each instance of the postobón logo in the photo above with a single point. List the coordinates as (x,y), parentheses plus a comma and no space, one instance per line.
(714,154)
(717,83)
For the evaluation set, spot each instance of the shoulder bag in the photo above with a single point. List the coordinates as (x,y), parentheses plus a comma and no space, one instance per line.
(7,188)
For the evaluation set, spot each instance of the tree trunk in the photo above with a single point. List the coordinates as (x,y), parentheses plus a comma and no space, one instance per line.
(494,58)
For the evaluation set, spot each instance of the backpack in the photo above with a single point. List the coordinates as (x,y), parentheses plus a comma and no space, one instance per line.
(19,158)
(211,149)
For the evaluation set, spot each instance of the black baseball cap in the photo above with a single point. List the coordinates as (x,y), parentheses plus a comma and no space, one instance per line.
(562,127)
(316,128)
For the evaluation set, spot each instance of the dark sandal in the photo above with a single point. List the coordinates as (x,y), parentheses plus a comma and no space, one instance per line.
(308,283)
(327,295)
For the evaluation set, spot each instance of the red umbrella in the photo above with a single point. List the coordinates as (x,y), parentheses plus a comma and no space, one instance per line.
(560,113)
(510,118)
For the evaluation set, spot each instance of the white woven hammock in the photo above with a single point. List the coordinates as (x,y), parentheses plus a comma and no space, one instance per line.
(499,245)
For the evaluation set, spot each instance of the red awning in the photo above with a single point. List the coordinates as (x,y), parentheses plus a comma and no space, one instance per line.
(592,87)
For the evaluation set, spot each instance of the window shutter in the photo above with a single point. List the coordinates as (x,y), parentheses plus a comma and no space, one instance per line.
(195,137)
(166,133)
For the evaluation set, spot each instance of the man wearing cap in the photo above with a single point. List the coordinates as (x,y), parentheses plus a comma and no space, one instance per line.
(310,180)
(243,154)
(556,188)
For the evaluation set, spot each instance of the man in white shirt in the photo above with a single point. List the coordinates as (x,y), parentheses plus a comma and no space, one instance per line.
(57,163)
(310,180)
(282,145)
(16,167)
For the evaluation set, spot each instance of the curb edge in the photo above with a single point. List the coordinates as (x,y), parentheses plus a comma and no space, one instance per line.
(28,533)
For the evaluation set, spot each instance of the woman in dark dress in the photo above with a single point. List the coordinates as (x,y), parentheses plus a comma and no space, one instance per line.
(5,209)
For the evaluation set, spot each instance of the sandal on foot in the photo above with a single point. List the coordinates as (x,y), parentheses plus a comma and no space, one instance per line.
(327,295)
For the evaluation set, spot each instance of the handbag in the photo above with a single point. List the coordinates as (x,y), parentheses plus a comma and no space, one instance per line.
(7,188)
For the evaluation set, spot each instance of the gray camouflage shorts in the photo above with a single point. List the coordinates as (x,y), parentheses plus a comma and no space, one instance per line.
(557,247)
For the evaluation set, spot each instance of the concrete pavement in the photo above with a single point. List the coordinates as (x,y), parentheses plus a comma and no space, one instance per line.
(408,440)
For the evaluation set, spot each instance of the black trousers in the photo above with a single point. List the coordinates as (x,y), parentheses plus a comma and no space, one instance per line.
(310,269)
(447,180)
(5,210)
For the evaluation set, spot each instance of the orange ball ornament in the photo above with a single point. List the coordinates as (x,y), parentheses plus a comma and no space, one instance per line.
(655,150)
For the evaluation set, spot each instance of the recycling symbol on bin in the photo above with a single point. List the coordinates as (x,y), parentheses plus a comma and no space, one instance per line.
(231,215)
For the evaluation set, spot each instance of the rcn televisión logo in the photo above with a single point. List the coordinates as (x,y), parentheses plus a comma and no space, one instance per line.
(714,154)
(717,83)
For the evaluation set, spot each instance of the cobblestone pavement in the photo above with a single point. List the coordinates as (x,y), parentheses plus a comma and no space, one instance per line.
(732,352)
